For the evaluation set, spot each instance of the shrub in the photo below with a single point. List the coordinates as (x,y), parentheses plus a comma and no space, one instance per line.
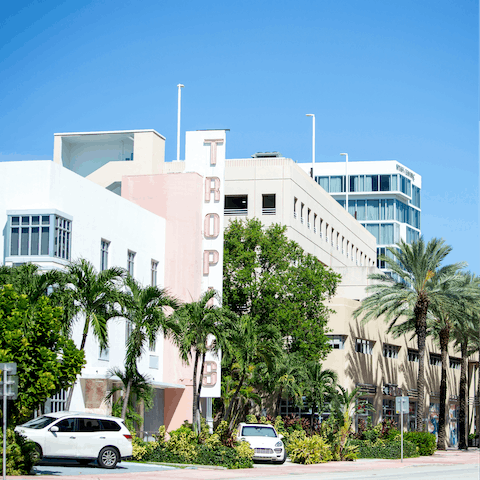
(309,450)
(426,442)
(21,456)
(382,449)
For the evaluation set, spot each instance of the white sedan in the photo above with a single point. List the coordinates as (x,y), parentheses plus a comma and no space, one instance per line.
(84,437)
(265,441)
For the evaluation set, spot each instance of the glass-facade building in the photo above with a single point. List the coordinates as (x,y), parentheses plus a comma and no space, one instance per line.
(384,196)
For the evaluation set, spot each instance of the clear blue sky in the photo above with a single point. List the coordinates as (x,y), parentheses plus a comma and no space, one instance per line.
(386,80)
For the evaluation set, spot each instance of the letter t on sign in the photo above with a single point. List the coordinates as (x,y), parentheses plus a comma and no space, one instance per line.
(213,150)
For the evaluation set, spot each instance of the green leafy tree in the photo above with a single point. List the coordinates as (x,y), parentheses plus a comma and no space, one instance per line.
(271,279)
(144,309)
(95,297)
(197,322)
(416,281)
(47,361)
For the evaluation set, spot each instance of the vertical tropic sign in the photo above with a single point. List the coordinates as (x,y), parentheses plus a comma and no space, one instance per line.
(205,154)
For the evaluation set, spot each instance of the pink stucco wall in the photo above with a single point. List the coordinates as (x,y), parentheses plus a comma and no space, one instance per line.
(177,197)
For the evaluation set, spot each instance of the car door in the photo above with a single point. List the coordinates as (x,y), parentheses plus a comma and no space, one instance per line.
(90,437)
(63,442)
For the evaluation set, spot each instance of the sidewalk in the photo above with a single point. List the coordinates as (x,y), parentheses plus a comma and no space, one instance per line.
(448,457)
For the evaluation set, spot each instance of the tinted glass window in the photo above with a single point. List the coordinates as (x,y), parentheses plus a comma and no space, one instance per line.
(110,425)
(258,432)
(66,425)
(88,425)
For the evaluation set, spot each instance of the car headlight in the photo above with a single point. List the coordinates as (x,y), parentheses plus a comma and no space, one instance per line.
(279,444)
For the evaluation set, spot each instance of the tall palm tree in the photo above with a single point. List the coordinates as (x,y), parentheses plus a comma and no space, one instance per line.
(199,326)
(96,296)
(410,288)
(144,309)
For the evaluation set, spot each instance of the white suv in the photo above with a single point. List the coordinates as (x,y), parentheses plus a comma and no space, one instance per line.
(266,442)
(84,437)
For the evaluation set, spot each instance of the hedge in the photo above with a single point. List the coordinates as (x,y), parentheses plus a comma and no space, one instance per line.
(426,442)
(390,449)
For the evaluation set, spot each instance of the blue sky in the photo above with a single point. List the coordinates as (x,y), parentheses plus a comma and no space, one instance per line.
(386,81)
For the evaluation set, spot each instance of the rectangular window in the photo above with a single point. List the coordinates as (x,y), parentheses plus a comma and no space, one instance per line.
(104,254)
(302,206)
(30,235)
(412,355)
(385,183)
(371,183)
(131,263)
(455,363)
(323,182)
(364,346)
(435,360)
(390,351)
(389,409)
(337,184)
(154,273)
(104,354)
(236,205)
(337,342)
(268,204)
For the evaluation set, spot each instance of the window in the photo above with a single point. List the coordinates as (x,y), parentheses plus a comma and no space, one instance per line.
(415,196)
(321,227)
(390,351)
(323,182)
(364,346)
(40,234)
(154,273)
(337,342)
(295,200)
(104,255)
(88,425)
(389,409)
(104,354)
(455,363)
(308,217)
(153,362)
(314,223)
(326,232)
(435,360)
(131,262)
(302,206)
(268,204)
(236,205)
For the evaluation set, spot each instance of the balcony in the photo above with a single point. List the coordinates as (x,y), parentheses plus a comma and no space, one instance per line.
(269,211)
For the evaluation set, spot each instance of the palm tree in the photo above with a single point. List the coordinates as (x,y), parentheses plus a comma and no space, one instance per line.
(410,288)
(249,344)
(199,326)
(321,387)
(145,312)
(95,295)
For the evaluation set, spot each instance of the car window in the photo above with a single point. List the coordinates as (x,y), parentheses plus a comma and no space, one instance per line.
(110,425)
(39,422)
(66,425)
(250,431)
(88,425)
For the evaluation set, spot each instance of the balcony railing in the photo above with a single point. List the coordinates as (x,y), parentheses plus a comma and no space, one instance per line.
(268,211)
(236,212)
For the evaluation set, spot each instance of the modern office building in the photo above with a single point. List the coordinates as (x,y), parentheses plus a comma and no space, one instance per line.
(384,196)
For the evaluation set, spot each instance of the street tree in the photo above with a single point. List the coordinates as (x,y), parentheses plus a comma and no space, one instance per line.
(47,361)
(416,280)
(275,282)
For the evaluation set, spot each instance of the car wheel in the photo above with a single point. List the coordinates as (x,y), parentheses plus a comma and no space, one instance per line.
(37,453)
(108,457)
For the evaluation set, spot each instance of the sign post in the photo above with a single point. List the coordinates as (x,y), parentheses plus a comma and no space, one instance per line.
(401,407)
(9,391)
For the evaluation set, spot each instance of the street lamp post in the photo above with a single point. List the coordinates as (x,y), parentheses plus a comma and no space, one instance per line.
(180,86)
(313,139)
(346,180)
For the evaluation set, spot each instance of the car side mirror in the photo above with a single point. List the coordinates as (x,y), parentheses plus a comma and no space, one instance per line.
(54,429)
(280,436)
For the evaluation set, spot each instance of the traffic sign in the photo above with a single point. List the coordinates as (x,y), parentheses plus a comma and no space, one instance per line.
(401,405)
(12,387)
(11,368)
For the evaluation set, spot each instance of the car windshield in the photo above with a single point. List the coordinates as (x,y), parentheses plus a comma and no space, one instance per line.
(258,432)
(38,423)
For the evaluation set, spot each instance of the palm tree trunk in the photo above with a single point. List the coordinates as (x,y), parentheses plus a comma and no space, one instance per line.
(232,401)
(194,405)
(277,405)
(421,336)
(442,417)
(462,410)
(200,383)
(82,347)
(126,397)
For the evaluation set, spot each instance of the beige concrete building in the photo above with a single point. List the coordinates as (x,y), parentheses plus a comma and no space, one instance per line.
(277,190)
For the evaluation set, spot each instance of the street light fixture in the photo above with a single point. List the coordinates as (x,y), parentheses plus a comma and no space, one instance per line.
(346,180)
(313,138)
(180,86)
